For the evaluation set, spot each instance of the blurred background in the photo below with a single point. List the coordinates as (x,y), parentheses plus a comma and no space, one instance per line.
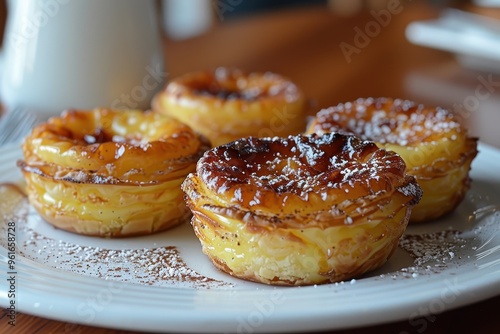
(438,52)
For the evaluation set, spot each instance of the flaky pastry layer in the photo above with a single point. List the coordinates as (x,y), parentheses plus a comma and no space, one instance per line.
(107,210)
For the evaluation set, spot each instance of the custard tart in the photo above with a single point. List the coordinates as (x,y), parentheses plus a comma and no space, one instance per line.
(110,173)
(300,210)
(434,145)
(227,104)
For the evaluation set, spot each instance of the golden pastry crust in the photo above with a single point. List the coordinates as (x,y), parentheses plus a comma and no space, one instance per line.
(434,145)
(229,104)
(110,173)
(300,210)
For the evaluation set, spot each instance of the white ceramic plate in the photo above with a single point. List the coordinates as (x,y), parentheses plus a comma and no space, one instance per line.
(460,274)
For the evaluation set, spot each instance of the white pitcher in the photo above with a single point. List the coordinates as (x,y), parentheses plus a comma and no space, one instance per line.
(61,54)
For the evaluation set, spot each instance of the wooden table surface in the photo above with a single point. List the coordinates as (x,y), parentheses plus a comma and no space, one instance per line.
(304,44)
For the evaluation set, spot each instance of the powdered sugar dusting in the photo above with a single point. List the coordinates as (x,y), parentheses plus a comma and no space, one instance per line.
(297,164)
(384,120)
(432,248)
(409,189)
(161,266)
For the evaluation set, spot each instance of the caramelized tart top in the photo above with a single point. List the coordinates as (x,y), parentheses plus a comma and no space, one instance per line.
(389,121)
(110,144)
(330,168)
(234,84)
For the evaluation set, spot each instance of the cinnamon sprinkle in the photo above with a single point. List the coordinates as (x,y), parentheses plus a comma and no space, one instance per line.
(160,266)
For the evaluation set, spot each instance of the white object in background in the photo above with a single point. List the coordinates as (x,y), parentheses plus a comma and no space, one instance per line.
(473,38)
(186,18)
(61,54)
(487,3)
